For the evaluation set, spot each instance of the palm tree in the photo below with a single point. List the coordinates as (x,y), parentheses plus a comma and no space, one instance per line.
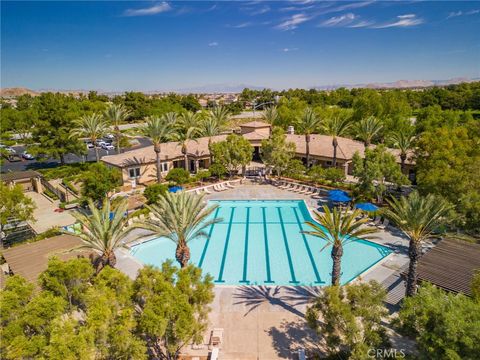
(211,127)
(115,114)
(417,217)
(403,140)
(103,233)
(220,113)
(189,119)
(270,115)
(91,126)
(170,117)
(158,130)
(183,135)
(338,228)
(180,217)
(308,123)
(367,128)
(336,126)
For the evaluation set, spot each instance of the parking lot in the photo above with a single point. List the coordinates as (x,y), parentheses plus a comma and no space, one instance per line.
(34,164)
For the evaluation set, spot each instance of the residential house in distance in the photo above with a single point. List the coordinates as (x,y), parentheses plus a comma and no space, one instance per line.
(139,166)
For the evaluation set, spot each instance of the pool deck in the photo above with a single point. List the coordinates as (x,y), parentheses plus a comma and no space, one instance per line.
(261,322)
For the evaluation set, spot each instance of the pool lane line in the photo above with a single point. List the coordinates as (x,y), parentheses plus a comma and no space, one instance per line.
(225,249)
(287,249)
(309,252)
(245,252)
(267,254)
(204,252)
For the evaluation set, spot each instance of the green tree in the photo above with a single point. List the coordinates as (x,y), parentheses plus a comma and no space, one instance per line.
(276,152)
(373,172)
(270,115)
(336,125)
(403,141)
(445,325)
(417,217)
(154,191)
(448,164)
(158,130)
(115,115)
(350,318)
(220,115)
(183,135)
(218,170)
(14,206)
(92,127)
(67,279)
(309,122)
(210,127)
(334,175)
(104,231)
(367,129)
(337,228)
(99,180)
(174,307)
(234,153)
(180,217)
(178,175)
(52,129)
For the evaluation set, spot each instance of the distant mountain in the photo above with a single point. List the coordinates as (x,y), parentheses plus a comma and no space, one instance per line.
(400,84)
(17,91)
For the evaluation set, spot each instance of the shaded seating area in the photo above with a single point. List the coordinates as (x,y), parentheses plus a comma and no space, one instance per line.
(450,265)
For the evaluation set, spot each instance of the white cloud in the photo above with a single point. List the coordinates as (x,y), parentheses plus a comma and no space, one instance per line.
(292,22)
(461,13)
(260,11)
(152,10)
(338,20)
(401,21)
(241,25)
(213,44)
(361,24)
(289,49)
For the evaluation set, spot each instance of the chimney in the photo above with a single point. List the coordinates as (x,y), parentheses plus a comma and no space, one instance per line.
(291,130)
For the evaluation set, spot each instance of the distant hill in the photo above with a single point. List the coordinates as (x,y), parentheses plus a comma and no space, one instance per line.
(17,91)
(219,88)
(400,84)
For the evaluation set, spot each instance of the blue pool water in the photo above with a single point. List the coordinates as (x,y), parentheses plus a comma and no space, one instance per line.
(260,243)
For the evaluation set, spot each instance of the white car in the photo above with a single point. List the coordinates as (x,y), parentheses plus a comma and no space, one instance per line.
(107,146)
(100,143)
(89,145)
(27,156)
(110,136)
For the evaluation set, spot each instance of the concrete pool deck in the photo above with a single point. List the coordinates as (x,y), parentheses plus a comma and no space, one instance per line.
(261,322)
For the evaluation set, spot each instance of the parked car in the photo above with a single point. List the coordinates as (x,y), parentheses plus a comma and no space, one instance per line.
(10,150)
(89,145)
(27,156)
(100,143)
(110,136)
(108,146)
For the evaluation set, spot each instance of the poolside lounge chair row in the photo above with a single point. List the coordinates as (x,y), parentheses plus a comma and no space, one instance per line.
(379,223)
(298,188)
(226,185)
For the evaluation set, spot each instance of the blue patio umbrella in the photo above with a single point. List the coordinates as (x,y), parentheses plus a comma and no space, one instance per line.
(175,189)
(366,206)
(338,196)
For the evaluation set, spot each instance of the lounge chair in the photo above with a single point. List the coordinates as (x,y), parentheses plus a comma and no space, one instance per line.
(207,191)
(284,185)
(376,221)
(383,225)
(228,185)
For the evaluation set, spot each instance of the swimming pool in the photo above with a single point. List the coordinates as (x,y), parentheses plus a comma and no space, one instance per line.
(260,243)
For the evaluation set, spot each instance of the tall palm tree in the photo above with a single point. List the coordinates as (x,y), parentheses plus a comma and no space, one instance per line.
(220,113)
(158,130)
(270,115)
(103,233)
(308,124)
(367,128)
(189,119)
(336,126)
(91,126)
(338,228)
(417,217)
(115,114)
(403,140)
(170,117)
(183,135)
(211,127)
(180,217)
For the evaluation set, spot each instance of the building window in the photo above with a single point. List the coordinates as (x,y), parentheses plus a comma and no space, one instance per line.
(164,167)
(134,172)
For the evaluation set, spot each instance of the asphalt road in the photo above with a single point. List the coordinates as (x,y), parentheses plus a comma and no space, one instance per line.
(23,165)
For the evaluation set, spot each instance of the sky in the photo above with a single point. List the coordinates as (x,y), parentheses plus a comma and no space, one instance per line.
(175,45)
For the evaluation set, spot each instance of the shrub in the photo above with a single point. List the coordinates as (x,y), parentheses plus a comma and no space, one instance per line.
(202,175)
(178,176)
(218,170)
(152,192)
(295,169)
(316,173)
(334,174)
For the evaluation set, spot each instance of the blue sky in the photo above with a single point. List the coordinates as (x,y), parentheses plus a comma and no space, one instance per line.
(157,45)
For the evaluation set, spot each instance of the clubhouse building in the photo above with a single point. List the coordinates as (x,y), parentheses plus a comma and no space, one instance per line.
(139,166)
